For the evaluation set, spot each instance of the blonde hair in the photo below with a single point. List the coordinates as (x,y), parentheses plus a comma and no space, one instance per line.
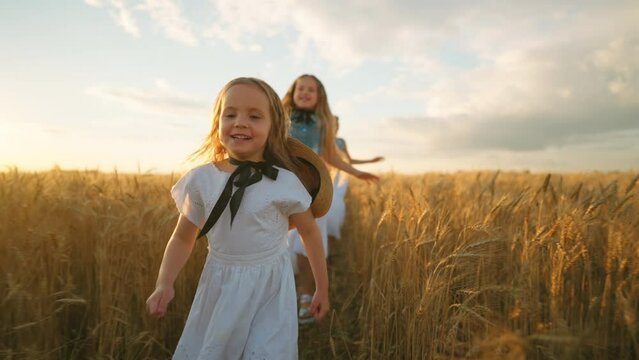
(343,154)
(276,149)
(322,110)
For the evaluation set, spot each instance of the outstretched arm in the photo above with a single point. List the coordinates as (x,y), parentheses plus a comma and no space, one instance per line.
(367,161)
(356,161)
(312,240)
(332,157)
(177,252)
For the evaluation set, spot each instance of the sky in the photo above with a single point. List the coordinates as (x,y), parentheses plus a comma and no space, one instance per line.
(430,85)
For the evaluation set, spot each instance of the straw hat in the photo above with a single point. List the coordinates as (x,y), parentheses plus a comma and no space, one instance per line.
(314,175)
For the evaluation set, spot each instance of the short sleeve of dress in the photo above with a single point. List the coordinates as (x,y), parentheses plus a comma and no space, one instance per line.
(188,199)
(296,198)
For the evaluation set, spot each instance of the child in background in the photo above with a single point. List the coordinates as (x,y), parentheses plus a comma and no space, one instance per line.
(337,212)
(245,300)
(313,124)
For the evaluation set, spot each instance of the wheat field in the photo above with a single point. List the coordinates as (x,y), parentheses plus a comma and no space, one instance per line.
(470,265)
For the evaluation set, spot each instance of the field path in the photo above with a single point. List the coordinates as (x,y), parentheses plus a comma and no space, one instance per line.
(335,337)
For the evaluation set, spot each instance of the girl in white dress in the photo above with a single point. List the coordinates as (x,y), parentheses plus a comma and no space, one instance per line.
(244,306)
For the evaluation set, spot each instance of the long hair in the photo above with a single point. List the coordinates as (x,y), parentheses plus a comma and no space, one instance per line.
(275,150)
(322,111)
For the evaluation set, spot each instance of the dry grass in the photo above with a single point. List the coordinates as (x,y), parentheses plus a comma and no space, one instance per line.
(80,251)
(468,265)
(497,266)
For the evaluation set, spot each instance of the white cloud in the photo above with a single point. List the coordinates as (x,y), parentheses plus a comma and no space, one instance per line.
(541,82)
(167,14)
(123,17)
(162,100)
(501,76)
(95,3)
(540,97)
(240,22)
(120,13)
(619,61)
(162,84)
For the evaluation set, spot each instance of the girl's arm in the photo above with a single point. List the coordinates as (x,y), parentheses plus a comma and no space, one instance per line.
(355,161)
(330,154)
(332,157)
(367,161)
(312,240)
(177,252)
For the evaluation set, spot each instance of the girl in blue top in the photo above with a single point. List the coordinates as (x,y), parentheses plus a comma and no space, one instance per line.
(312,122)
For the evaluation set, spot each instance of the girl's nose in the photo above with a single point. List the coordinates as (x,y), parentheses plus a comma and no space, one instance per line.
(240,122)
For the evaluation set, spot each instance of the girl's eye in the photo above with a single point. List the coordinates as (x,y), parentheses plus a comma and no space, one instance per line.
(256,117)
(228,116)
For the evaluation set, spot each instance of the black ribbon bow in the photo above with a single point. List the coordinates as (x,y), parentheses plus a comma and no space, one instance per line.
(302,116)
(246,174)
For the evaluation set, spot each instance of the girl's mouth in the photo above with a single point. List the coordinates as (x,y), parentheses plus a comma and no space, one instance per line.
(241,137)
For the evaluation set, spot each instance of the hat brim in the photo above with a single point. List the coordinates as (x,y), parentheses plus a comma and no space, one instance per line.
(314,175)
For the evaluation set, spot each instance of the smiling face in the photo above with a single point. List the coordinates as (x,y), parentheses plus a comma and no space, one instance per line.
(245,122)
(305,95)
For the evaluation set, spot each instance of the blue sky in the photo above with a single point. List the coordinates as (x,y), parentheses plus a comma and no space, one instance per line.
(431,86)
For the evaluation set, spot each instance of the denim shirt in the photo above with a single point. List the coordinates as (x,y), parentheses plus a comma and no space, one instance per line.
(308,133)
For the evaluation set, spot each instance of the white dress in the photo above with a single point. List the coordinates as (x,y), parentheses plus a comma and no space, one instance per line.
(245,303)
(337,212)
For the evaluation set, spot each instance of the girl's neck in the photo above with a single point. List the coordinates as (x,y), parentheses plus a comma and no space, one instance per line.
(304,110)
(252,158)
(226,166)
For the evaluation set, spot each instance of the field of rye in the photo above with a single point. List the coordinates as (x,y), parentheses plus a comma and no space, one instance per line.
(436,266)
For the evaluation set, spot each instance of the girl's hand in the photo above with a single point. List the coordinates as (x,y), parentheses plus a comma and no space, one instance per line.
(368,177)
(159,301)
(319,305)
